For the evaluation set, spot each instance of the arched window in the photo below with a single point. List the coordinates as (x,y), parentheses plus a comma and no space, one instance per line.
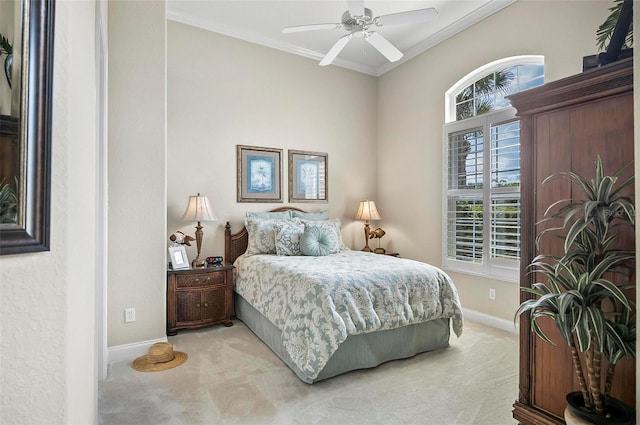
(481,223)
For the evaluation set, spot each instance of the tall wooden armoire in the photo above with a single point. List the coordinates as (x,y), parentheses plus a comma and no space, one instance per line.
(565,125)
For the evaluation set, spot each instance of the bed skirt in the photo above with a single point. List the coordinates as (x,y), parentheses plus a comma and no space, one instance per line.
(357,351)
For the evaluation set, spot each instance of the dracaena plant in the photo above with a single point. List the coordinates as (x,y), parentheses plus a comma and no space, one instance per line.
(586,291)
(8,203)
(5,46)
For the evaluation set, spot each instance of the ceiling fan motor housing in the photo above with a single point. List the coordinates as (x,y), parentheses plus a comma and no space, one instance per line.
(357,23)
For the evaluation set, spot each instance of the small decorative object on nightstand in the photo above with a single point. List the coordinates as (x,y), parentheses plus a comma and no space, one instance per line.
(199,297)
(378,234)
(198,209)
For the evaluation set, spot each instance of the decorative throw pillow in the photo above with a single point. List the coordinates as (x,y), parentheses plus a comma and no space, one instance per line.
(287,237)
(261,238)
(333,225)
(320,215)
(318,241)
(270,215)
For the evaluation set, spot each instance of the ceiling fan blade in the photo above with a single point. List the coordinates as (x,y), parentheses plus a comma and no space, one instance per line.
(356,7)
(410,17)
(311,27)
(335,50)
(383,46)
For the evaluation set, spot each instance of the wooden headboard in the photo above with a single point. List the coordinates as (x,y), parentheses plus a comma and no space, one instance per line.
(236,244)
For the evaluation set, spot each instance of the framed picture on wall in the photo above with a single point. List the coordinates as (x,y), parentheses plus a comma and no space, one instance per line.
(259,174)
(308,176)
(178,257)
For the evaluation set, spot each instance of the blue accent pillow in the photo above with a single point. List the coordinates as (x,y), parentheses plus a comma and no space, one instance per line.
(332,225)
(270,215)
(320,215)
(319,241)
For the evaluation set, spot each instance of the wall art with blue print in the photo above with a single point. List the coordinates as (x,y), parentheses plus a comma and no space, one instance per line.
(259,171)
(308,176)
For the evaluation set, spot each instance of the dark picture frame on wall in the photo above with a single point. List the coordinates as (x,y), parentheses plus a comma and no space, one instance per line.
(26,212)
(308,176)
(259,174)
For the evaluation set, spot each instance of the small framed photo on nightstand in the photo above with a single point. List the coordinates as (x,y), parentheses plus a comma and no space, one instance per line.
(178,257)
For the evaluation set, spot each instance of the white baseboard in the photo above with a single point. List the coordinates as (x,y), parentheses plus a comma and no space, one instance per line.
(494,322)
(130,352)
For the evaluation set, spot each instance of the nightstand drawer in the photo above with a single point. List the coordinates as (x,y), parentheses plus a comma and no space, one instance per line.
(200,279)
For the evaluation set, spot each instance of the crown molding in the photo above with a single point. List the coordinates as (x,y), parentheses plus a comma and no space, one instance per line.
(460,25)
(251,37)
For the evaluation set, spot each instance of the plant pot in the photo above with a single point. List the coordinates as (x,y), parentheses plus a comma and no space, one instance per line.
(616,412)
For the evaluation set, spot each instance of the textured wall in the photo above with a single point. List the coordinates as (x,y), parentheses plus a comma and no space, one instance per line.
(411,115)
(47,370)
(137,170)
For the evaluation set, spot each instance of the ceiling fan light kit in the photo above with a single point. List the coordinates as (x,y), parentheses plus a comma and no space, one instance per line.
(358,20)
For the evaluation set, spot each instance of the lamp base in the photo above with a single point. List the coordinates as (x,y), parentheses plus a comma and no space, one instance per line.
(379,251)
(198,263)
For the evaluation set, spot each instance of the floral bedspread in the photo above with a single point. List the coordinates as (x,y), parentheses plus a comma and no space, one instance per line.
(318,301)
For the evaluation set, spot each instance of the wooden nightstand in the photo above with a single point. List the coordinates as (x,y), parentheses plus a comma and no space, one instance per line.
(199,297)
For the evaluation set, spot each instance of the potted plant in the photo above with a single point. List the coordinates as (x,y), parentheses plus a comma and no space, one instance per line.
(587,291)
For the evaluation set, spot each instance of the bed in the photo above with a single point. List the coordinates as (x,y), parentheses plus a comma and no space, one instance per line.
(325,315)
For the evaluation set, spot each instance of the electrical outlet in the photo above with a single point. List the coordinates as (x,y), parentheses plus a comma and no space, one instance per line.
(492,294)
(129,315)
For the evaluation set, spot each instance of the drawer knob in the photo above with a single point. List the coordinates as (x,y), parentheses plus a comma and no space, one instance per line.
(197,305)
(206,305)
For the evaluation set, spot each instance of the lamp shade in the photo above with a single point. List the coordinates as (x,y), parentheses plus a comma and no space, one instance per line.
(199,209)
(367,211)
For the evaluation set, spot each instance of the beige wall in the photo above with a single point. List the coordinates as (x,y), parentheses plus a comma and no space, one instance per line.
(47,347)
(137,170)
(411,115)
(223,92)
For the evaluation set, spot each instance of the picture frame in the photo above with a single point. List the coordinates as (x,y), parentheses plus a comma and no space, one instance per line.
(259,174)
(308,176)
(178,257)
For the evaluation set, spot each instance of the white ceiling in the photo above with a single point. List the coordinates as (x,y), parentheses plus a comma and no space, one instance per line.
(261,22)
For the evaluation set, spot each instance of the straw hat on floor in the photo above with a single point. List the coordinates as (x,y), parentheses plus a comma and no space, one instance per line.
(161,357)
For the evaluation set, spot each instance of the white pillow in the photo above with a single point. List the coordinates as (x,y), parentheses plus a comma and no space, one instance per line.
(261,239)
(287,237)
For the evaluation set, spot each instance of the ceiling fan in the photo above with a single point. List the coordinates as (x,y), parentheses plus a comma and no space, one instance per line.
(359,21)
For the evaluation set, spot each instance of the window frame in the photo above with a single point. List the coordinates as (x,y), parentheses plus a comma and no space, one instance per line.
(477,74)
(505,270)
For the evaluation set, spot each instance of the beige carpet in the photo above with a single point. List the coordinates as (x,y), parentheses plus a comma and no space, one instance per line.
(231,377)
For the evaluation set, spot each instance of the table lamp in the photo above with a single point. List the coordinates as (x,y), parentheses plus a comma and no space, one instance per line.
(198,209)
(367,211)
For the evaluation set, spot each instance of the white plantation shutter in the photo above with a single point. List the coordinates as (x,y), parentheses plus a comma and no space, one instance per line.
(483,195)
(505,191)
(465,228)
